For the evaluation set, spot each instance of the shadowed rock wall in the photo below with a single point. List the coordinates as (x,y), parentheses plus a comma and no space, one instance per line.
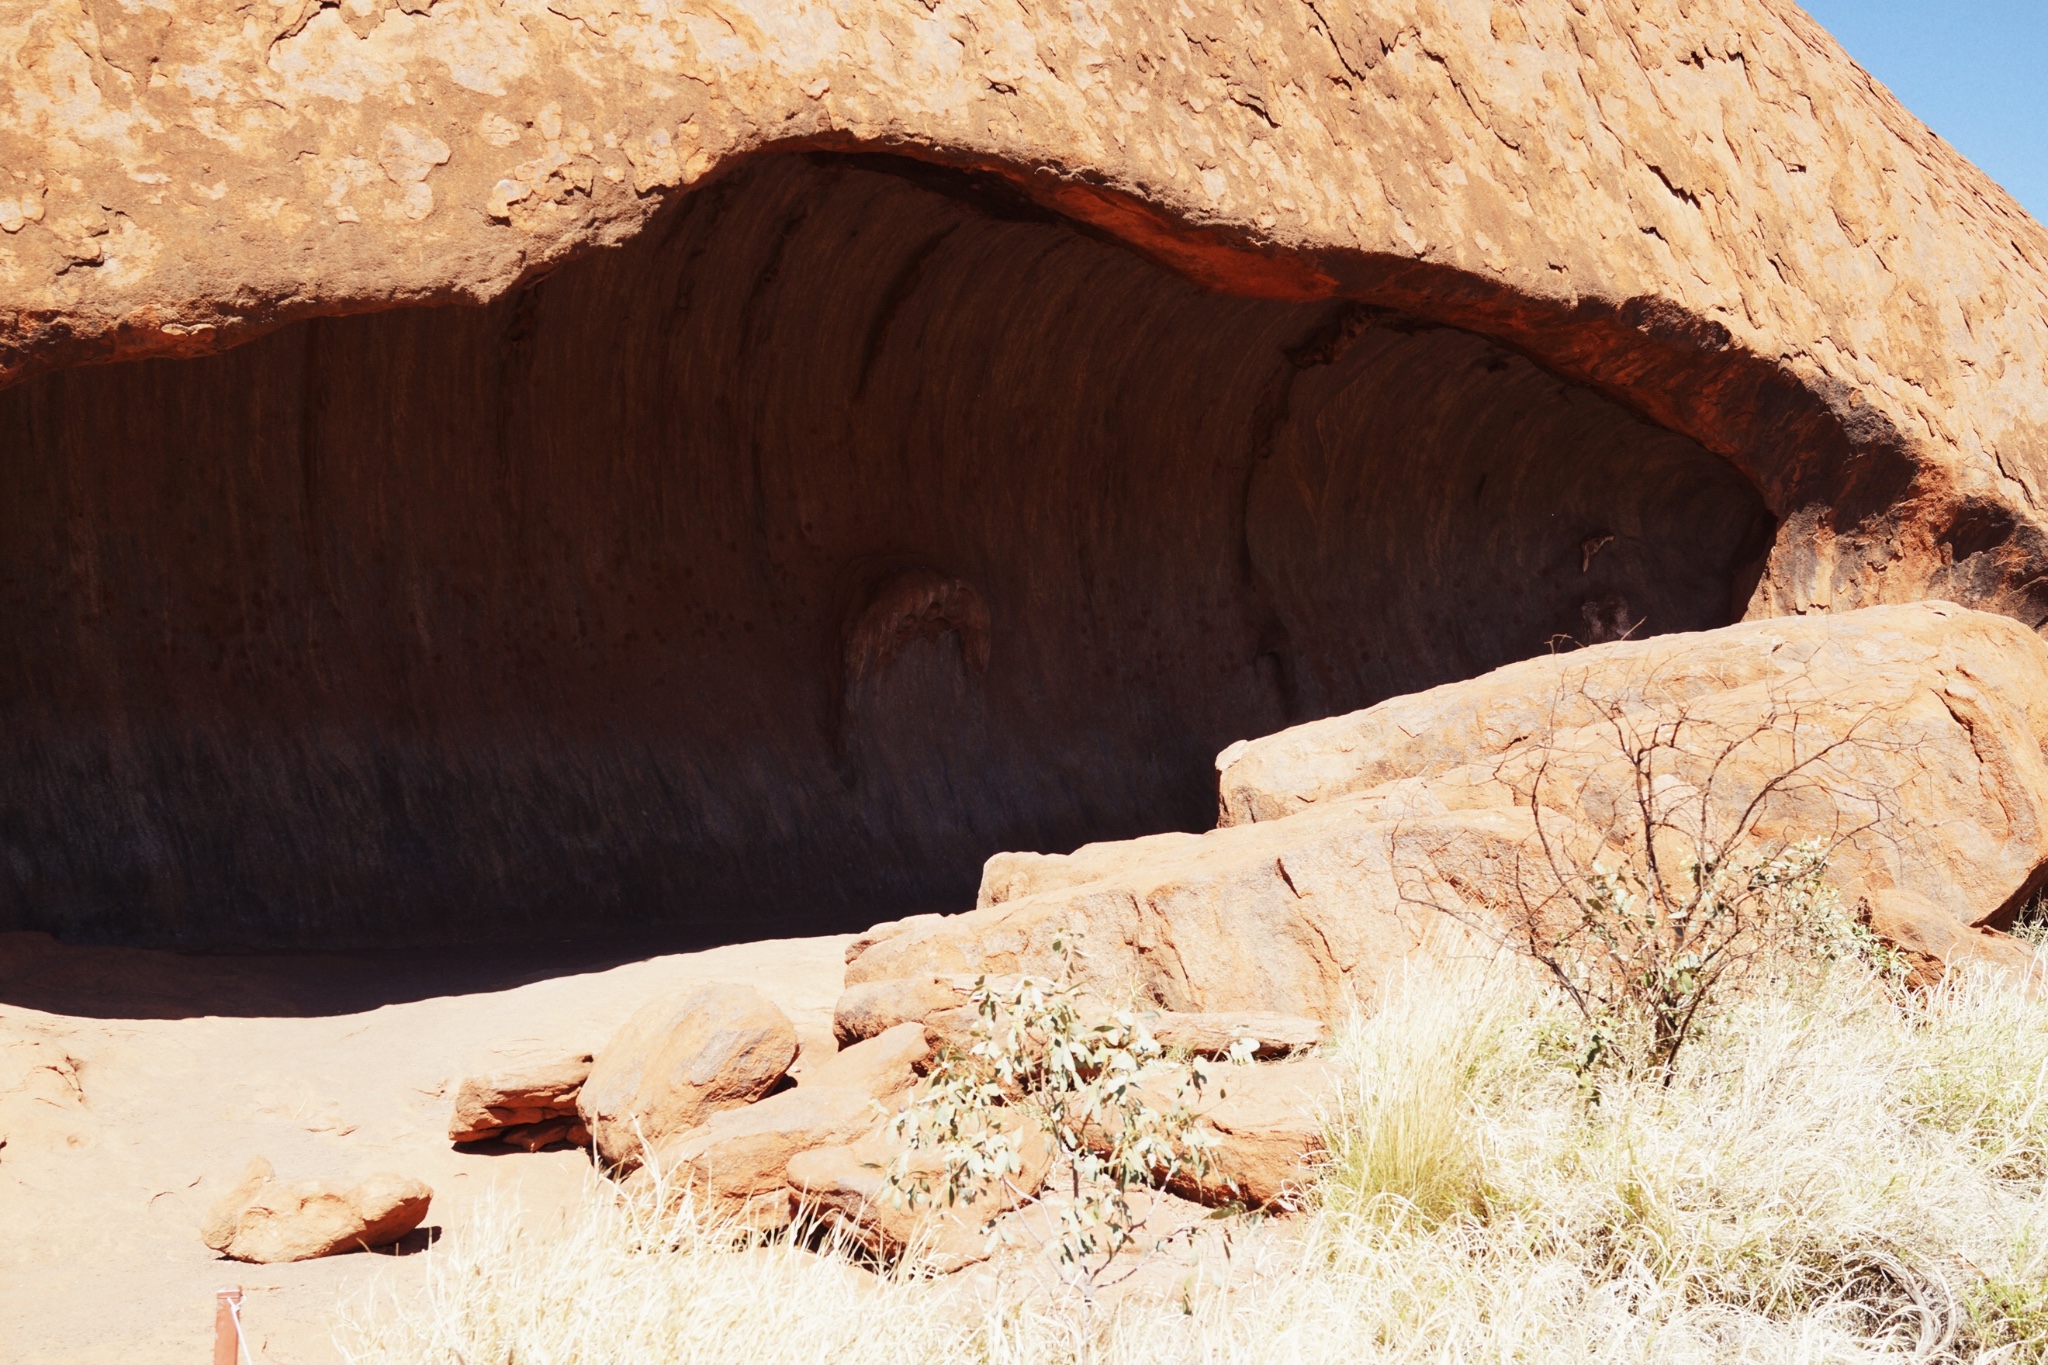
(854,521)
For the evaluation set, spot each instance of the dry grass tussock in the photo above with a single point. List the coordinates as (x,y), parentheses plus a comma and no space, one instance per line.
(1837,1173)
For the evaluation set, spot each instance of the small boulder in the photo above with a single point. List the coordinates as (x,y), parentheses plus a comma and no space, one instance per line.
(1269,1121)
(530,1108)
(680,1060)
(883,1066)
(266,1220)
(888,929)
(874,1007)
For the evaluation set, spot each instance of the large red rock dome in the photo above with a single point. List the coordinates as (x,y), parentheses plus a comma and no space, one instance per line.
(489,469)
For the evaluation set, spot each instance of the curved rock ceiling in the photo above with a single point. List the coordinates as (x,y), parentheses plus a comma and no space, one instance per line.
(986,416)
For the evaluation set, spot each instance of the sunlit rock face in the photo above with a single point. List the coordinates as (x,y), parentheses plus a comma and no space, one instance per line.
(580,467)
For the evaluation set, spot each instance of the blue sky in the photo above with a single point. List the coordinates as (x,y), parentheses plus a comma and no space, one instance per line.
(1976,71)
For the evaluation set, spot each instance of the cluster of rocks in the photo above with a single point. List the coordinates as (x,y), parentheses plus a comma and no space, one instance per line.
(1917,735)
(702,1093)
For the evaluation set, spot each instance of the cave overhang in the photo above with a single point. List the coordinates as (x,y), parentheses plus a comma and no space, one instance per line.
(482,469)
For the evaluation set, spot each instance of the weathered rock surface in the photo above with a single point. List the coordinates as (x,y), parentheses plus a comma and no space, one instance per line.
(737,1162)
(1931,940)
(1353,843)
(941,1005)
(678,1061)
(532,1107)
(264,1219)
(1202,372)
(1214,1035)
(847,1186)
(1269,1122)
(871,1008)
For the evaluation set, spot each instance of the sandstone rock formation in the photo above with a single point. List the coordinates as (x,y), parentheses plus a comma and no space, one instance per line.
(987,415)
(737,1162)
(1353,843)
(847,1188)
(533,1107)
(1269,1123)
(678,1061)
(264,1219)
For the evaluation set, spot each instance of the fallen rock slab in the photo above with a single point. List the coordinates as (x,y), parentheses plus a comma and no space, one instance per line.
(266,1220)
(530,1107)
(680,1060)
(1930,940)
(1353,844)
(871,1008)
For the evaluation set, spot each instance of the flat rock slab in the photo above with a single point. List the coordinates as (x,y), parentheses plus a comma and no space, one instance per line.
(520,1104)
(1352,844)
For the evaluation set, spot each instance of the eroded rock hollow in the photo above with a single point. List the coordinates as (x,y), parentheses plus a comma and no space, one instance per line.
(855,520)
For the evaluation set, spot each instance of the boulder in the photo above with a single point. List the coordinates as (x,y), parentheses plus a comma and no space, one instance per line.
(847,1187)
(1351,844)
(265,1220)
(883,1066)
(680,1060)
(872,1008)
(737,1162)
(860,943)
(532,1107)
(1270,1122)
(1010,876)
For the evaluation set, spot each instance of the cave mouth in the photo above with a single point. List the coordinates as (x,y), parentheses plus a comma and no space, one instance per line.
(854,521)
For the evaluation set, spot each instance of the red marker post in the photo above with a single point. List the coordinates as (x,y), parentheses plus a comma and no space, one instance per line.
(227,1327)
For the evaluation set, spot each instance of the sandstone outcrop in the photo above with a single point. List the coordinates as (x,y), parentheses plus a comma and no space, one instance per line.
(678,1061)
(264,1219)
(1354,843)
(984,416)
(533,1107)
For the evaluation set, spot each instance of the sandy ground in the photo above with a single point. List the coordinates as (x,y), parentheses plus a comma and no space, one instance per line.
(135,1086)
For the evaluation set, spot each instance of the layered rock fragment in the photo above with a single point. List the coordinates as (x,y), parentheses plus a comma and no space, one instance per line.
(532,1107)
(1910,739)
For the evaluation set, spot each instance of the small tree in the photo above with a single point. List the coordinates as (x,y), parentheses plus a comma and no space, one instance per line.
(1657,877)
(1082,1079)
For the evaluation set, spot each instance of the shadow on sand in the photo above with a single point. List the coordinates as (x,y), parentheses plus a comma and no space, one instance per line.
(99,981)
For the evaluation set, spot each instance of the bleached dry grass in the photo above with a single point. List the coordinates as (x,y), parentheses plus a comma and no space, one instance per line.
(1836,1175)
